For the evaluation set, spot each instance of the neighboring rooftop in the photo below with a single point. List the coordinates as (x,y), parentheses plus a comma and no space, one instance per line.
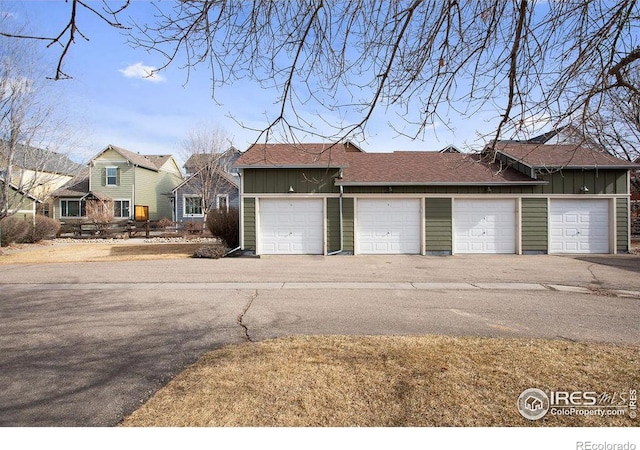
(570,156)
(76,187)
(227,159)
(36,159)
(151,162)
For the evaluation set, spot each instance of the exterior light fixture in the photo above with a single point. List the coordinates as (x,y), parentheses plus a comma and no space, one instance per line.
(291,189)
(390,189)
(488,189)
(584,189)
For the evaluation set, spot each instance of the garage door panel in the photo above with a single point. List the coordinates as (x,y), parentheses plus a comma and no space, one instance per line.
(388,226)
(579,226)
(484,226)
(291,226)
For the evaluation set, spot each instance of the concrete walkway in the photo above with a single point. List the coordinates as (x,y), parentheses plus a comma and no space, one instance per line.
(321,285)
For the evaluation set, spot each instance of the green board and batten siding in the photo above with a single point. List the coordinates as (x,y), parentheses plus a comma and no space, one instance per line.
(596,181)
(438,225)
(333,224)
(348,213)
(622,220)
(438,211)
(535,225)
(570,181)
(249,216)
(279,181)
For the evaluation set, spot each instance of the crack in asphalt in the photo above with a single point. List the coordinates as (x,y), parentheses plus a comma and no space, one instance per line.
(595,278)
(240,319)
(595,286)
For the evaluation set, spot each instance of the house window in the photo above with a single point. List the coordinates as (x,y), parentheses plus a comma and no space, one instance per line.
(193,206)
(72,208)
(112,176)
(222,202)
(121,209)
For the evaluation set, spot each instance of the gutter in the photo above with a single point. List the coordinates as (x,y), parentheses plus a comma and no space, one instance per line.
(444,183)
(341,225)
(591,167)
(291,166)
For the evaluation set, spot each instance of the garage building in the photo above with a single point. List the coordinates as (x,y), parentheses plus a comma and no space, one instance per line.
(515,198)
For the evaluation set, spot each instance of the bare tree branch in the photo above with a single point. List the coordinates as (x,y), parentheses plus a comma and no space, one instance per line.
(332,64)
(67,36)
(208,154)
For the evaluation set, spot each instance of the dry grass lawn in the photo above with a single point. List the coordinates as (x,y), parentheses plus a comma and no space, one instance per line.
(91,252)
(387,381)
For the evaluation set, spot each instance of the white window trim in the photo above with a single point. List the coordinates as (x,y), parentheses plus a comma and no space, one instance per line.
(218,197)
(122,200)
(184,205)
(106,176)
(70,200)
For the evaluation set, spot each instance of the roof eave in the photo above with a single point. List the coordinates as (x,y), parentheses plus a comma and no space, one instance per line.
(590,167)
(516,159)
(440,183)
(290,166)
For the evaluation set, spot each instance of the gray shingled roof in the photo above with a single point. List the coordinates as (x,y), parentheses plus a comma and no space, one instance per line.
(76,187)
(561,155)
(36,159)
(136,158)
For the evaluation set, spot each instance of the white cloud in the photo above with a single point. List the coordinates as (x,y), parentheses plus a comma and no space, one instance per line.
(139,70)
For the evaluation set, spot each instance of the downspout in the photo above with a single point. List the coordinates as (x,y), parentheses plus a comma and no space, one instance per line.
(341,226)
(133,193)
(175,206)
(241,218)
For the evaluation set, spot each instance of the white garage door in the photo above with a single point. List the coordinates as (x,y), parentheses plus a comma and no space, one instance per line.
(485,226)
(291,227)
(388,226)
(579,226)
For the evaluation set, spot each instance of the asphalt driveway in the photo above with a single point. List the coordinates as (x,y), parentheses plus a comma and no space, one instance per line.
(84,344)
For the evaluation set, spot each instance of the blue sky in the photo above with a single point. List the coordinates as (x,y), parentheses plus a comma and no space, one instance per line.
(110,100)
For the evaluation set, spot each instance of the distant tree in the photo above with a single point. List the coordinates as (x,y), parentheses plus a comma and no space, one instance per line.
(616,124)
(27,121)
(208,153)
(523,59)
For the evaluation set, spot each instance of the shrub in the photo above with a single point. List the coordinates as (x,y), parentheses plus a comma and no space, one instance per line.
(225,225)
(213,251)
(165,223)
(13,229)
(100,212)
(44,228)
